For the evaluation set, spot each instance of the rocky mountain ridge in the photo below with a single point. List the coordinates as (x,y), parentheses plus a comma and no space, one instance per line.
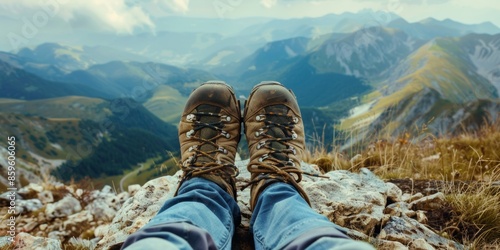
(368,209)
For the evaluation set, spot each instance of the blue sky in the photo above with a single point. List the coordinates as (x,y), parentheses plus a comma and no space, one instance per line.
(125,16)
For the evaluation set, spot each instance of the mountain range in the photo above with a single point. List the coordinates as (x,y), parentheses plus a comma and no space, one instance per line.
(354,78)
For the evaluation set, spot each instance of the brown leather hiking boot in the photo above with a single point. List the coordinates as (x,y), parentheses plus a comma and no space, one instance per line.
(209,132)
(275,134)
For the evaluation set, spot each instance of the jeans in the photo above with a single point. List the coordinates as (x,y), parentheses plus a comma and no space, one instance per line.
(204,216)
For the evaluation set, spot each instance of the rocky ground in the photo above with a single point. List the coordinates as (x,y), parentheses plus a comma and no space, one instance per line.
(368,208)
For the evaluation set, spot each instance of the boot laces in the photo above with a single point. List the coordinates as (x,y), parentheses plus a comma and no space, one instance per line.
(277,132)
(202,160)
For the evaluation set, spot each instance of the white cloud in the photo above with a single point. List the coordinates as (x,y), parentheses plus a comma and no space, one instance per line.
(114,15)
(268,3)
(181,5)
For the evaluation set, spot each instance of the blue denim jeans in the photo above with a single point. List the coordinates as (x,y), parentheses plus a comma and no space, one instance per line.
(204,216)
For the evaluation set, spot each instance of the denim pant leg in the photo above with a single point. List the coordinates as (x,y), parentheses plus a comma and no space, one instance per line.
(200,216)
(282,219)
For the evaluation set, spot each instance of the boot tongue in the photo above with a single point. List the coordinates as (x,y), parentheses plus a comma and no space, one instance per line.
(208,133)
(278,132)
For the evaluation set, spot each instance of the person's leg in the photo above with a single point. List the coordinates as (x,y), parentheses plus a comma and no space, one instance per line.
(204,212)
(282,217)
(201,216)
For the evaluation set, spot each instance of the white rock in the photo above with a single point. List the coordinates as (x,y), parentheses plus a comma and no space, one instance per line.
(30,226)
(75,220)
(25,241)
(46,197)
(79,192)
(394,193)
(63,208)
(132,189)
(107,190)
(137,210)
(390,245)
(431,202)
(350,200)
(420,244)
(26,206)
(414,197)
(56,235)
(7,197)
(32,187)
(101,209)
(406,230)
(4,242)
(421,217)
(100,231)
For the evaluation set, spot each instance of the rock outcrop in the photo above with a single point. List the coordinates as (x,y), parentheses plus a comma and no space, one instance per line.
(368,208)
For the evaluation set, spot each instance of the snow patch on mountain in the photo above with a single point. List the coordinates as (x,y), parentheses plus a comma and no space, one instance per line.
(486,58)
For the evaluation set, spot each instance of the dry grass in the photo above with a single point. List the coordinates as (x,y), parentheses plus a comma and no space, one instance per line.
(470,157)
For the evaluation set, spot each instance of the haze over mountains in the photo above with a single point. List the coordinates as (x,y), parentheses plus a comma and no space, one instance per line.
(97,96)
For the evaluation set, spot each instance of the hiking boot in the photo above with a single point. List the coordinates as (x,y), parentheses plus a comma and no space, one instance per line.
(209,132)
(275,134)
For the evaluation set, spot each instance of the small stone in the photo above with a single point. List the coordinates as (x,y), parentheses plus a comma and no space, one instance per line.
(415,197)
(57,235)
(101,231)
(43,227)
(385,219)
(406,230)
(30,226)
(132,189)
(63,208)
(405,197)
(396,209)
(420,244)
(431,202)
(394,193)
(26,241)
(107,190)
(81,218)
(390,245)
(79,192)
(29,189)
(46,197)
(4,242)
(7,197)
(29,205)
(411,213)
(421,217)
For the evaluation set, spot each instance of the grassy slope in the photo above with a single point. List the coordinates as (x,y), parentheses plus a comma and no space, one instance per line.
(166,103)
(66,107)
(437,65)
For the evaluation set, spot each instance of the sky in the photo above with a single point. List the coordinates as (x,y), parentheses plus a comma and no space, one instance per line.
(129,16)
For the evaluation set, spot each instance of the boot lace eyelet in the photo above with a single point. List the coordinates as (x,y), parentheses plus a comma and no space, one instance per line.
(295,120)
(261,144)
(263,157)
(259,133)
(226,118)
(225,134)
(294,135)
(260,118)
(191,118)
(190,133)
(223,150)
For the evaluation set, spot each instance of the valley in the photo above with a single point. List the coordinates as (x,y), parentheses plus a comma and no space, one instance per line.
(109,111)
